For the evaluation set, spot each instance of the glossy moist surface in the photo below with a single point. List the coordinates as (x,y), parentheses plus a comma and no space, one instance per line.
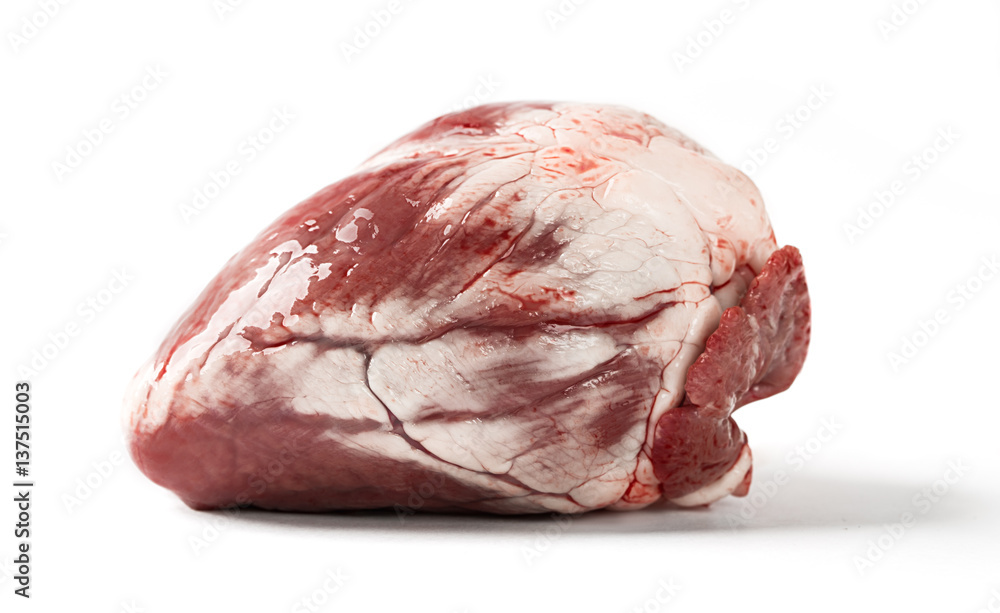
(513,309)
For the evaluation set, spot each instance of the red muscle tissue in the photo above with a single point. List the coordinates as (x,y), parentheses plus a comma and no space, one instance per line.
(522,307)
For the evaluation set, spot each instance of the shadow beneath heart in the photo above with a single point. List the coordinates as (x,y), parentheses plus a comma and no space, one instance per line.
(804,502)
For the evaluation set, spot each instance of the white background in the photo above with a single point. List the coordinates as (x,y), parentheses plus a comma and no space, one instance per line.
(127,544)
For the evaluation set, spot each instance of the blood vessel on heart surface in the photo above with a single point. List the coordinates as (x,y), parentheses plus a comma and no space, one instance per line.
(522,307)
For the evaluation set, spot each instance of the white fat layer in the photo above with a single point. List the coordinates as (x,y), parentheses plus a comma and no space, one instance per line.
(468,398)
